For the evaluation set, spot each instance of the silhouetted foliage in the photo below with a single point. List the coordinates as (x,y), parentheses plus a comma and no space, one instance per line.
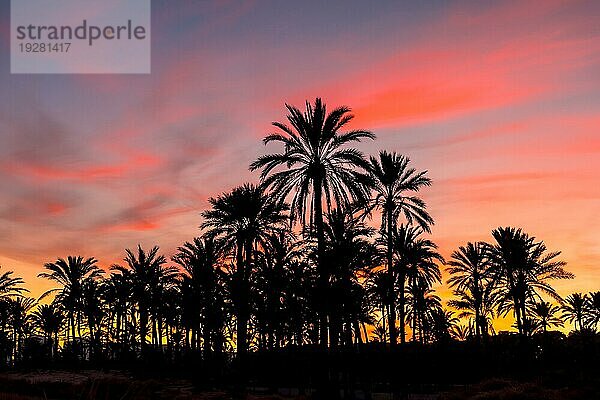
(328,298)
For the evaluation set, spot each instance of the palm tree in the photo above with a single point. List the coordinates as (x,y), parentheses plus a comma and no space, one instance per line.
(118,294)
(298,302)
(421,304)
(443,324)
(394,185)
(593,319)
(466,305)
(471,280)
(244,219)
(202,292)
(377,285)
(461,332)
(10,286)
(20,321)
(544,315)
(575,310)
(522,267)
(349,255)
(49,319)
(415,259)
(318,168)
(94,310)
(144,269)
(71,274)
(276,272)
(164,281)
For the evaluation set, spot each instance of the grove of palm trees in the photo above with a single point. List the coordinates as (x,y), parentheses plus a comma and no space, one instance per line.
(321,276)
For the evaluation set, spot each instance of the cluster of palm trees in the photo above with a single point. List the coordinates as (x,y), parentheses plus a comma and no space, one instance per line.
(294,261)
(512,275)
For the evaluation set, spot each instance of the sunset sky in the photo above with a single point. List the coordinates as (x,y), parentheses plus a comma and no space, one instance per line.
(500,102)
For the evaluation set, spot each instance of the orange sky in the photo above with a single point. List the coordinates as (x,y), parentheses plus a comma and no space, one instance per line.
(499,101)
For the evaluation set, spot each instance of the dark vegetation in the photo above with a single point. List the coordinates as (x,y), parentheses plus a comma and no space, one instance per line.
(296,283)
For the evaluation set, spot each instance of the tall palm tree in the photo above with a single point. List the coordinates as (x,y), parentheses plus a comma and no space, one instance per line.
(395,185)
(350,255)
(202,292)
(161,286)
(20,321)
(522,267)
(593,318)
(575,310)
(298,310)
(10,287)
(315,168)
(421,304)
(273,290)
(472,282)
(49,319)
(144,269)
(244,219)
(70,274)
(415,259)
(94,310)
(544,314)
(118,294)
(377,285)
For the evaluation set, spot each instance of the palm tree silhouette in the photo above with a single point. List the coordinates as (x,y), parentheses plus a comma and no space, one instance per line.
(299,299)
(317,168)
(273,292)
(377,285)
(575,310)
(421,305)
(93,309)
(593,319)
(118,293)
(472,283)
(415,263)
(49,319)
(10,286)
(544,315)
(202,292)
(349,255)
(71,274)
(244,219)
(394,185)
(145,270)
(443,324)
(20,321)
(461,332)
(522,267)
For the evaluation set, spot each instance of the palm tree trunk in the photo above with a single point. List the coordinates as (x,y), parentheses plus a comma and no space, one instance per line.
(143,328)
(242,324)
(478,330)
(160,332)
(357,332)
(72,322)
(390,271)
(321,269)
(402,307)
(79,324)
(517,308)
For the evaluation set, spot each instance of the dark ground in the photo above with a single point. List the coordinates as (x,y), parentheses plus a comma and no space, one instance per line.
(91,384)
(503,368)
